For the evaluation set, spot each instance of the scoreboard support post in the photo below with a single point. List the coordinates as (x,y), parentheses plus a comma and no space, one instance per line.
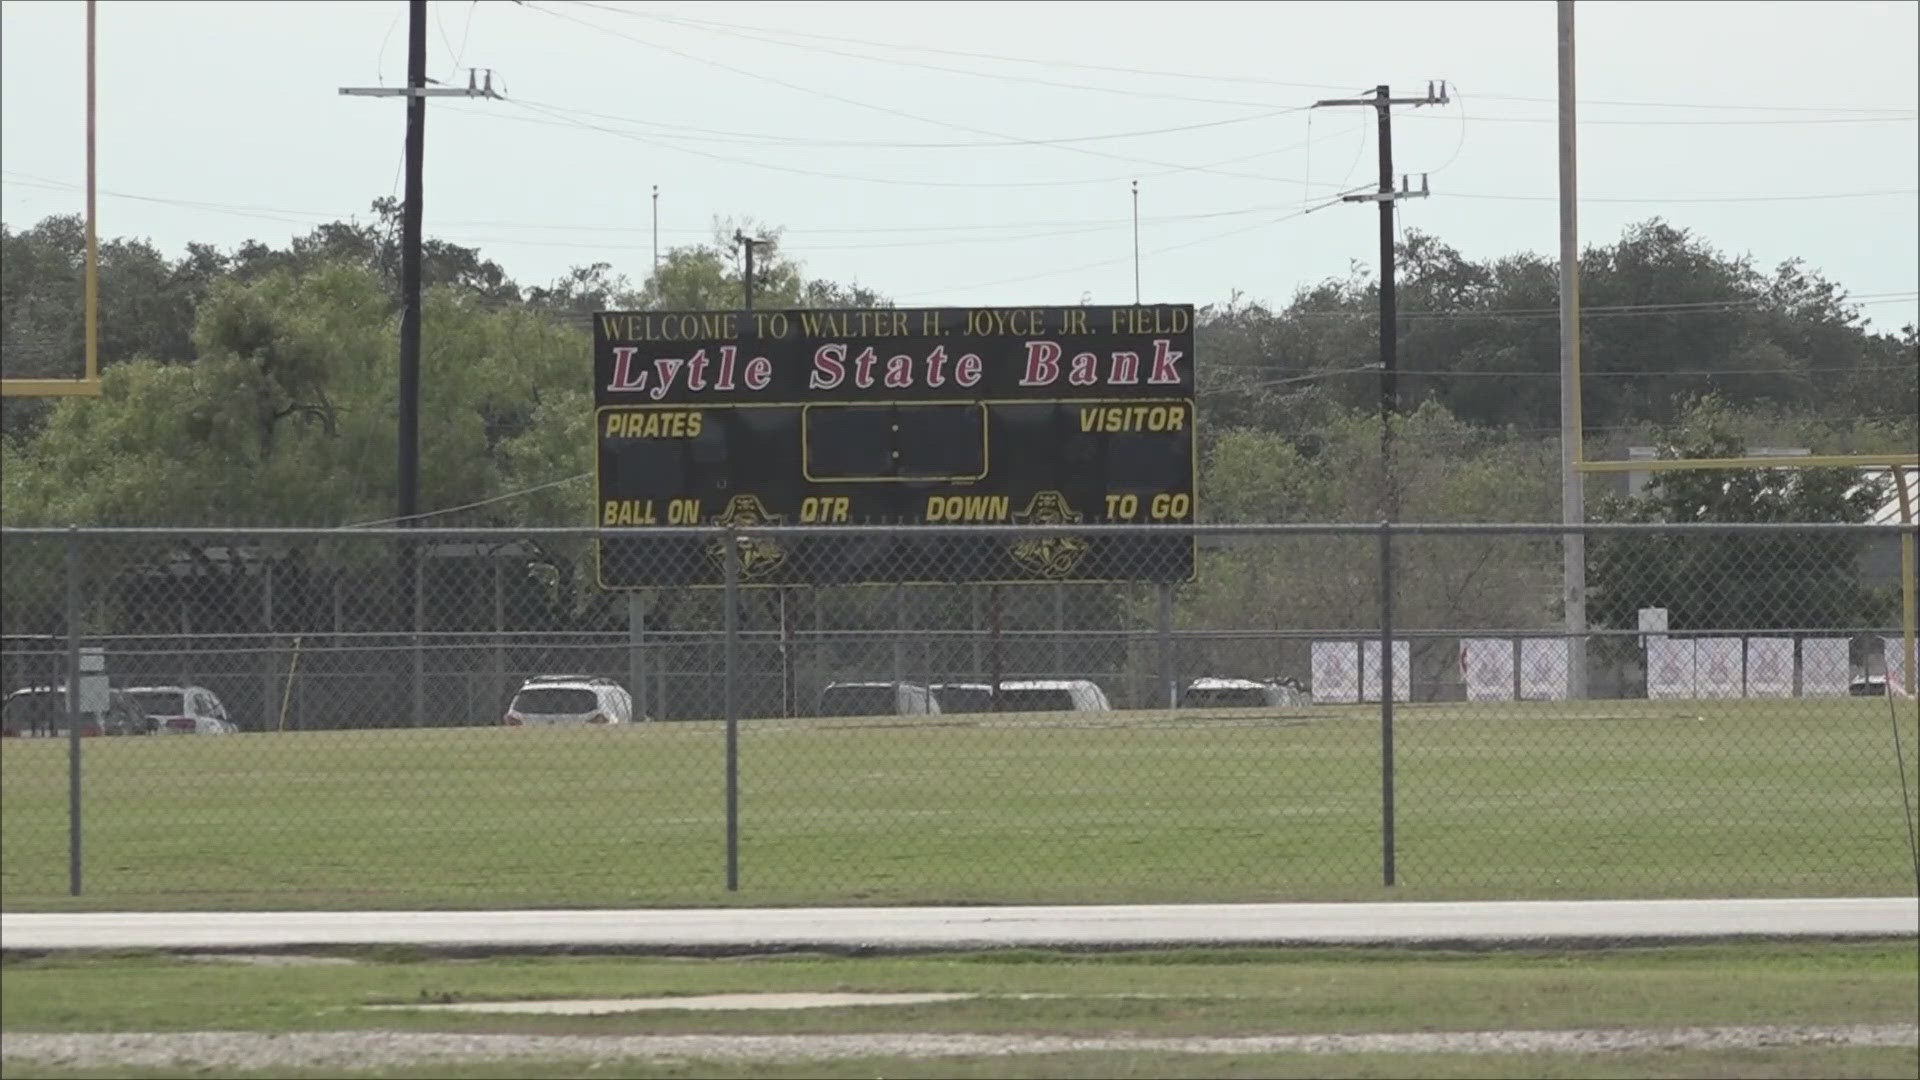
(789,705)
(1167,690)
(637,652)
(993,644)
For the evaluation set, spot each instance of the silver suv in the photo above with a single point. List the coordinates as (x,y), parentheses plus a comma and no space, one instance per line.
(569,699)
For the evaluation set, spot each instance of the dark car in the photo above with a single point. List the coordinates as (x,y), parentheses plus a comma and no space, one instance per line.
(41,711)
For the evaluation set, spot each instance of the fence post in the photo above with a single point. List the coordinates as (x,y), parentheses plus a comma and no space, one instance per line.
(73,711)
(730,561)
(637,653)
(1387,853)
(498,684)
(1166,646)
(975,624)
(417,575)
(994,673)
(899,635)
(1060,630)
(269,656)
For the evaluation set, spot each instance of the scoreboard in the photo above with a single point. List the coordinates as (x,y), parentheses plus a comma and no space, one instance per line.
(894,416)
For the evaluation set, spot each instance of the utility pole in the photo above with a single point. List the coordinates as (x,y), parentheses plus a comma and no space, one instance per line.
(1382,102)
(1572,482)
(416,92)
(656,228)
(749,243)
(407,481)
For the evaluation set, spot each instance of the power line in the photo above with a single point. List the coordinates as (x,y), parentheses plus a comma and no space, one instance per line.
(1215,77)
(1699,307)
(1809,197)
(771,141)
(1128,258)
(748,35)
(296,216)
(905,182)
(717,28)
(1896,118)
(891,111)
(504,496)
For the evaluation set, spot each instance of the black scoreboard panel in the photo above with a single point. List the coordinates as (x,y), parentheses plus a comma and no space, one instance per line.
(1108,438)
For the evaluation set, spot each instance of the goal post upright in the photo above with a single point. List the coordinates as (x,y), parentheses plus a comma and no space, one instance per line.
(88,385)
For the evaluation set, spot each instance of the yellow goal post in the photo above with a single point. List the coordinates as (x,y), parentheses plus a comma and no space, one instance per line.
(88,385)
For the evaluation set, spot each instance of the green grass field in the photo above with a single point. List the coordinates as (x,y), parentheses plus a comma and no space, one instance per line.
(1586,799)
(1172,994)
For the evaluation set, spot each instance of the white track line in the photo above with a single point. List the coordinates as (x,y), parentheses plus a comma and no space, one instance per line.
(349,1050)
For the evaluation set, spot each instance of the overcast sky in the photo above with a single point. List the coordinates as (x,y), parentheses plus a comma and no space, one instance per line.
(981,152)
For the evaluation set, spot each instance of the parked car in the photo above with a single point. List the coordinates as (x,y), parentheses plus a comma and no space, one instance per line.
(41,711)
(877,699)
(569,699)
(963,697)
(1867,686)
(1208,693)
(183,710)
(1051,695)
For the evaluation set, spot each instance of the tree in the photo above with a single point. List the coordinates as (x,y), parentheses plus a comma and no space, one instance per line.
(287,415)
(1669,317)
(146,308)
(1736,583)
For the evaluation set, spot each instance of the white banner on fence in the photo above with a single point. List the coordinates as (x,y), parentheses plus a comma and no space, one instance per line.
(1370,671)
(1769,667)
(1336,672)
(1544,664)
(1890,650)
(1670,668)
(1486,666)
(1825,667)
(1716,664)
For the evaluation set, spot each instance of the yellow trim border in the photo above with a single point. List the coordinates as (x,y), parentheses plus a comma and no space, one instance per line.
(49,387)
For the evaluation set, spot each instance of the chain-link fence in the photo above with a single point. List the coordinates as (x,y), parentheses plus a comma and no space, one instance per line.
(439,717)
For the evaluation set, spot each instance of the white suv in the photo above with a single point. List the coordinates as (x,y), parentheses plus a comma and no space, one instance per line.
(1051,695)
(183,710)
(569,699)
(877,699)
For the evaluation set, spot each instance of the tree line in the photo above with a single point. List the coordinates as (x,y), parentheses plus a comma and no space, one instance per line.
(257,386)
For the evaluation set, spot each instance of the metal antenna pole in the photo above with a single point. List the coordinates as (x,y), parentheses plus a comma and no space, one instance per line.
(1572,481)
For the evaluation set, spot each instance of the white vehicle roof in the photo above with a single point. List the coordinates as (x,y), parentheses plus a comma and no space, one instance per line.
(1045,684)
(568,683)
(1227,684)
(965,685)
(831,685)
(169,688)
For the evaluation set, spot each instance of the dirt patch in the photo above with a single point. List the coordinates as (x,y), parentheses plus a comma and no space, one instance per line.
(268,959)
(699,1003)
(349,1050)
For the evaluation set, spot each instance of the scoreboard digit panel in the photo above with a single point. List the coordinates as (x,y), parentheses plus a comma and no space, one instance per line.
(1054,416)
